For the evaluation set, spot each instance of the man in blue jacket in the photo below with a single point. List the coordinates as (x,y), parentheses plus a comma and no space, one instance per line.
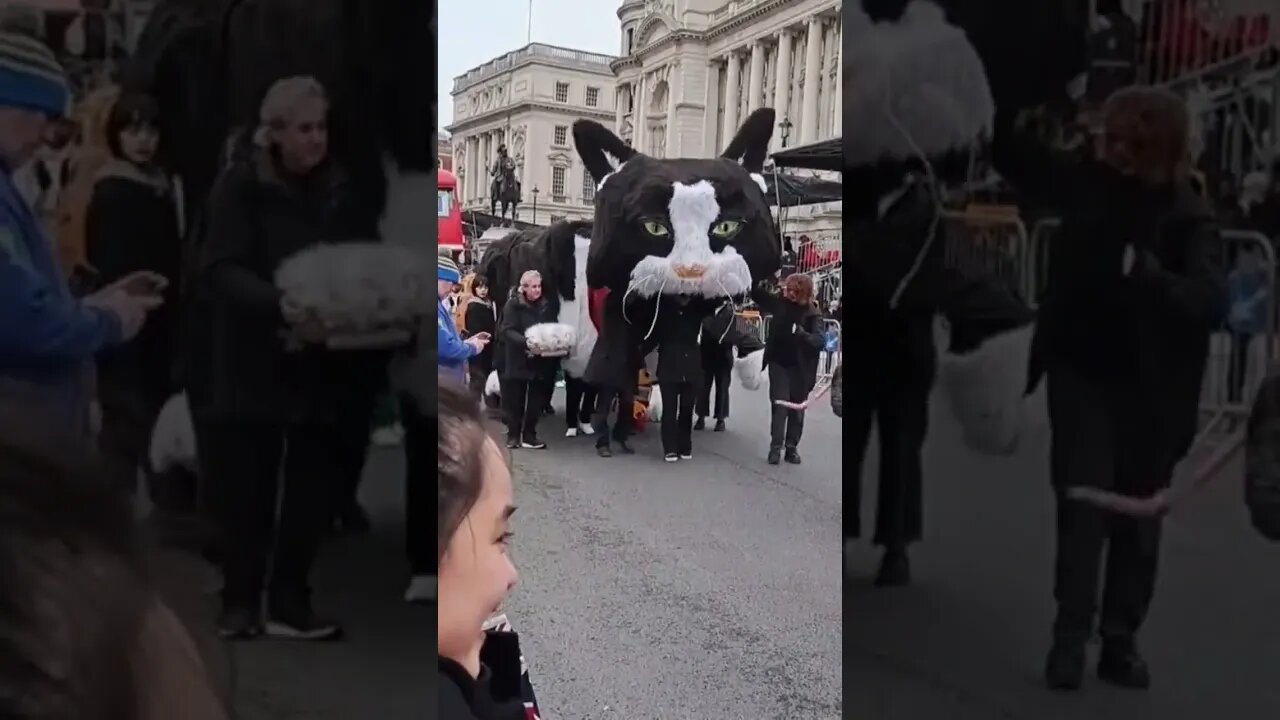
(47,336)
(454,351)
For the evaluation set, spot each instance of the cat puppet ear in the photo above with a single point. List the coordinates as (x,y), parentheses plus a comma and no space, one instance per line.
(750,145)
(596,144)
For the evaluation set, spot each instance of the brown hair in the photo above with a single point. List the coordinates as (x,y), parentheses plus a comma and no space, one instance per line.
(76,626)
(463,433)
(1146,133)
(799,289)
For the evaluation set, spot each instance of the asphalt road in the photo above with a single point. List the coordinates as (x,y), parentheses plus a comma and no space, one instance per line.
(967,641)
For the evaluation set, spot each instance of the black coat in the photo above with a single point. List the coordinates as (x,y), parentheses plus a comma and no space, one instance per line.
(479,317)
(257,219)
(717,340)
(463,697)
(795,341)
(618,354)
(518,315)
(132,225)
(1148,330)
(678,332)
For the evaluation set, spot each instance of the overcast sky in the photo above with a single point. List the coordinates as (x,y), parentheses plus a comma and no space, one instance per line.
(473,32)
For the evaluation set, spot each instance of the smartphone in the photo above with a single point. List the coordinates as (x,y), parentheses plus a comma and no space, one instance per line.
(481,336)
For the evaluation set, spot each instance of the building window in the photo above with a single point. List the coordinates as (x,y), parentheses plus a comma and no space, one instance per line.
(593,97)
(562,92)
(588,188)
(557,183)
(558,218)
(631,36)
(561,136)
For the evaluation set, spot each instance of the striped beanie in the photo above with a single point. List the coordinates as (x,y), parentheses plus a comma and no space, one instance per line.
(30,76)
(448,270)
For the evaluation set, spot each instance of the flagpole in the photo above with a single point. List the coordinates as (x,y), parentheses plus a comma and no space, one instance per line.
(529,36)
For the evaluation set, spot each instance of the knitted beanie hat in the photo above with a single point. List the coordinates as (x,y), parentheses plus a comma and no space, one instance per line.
(447,270)
(30,76)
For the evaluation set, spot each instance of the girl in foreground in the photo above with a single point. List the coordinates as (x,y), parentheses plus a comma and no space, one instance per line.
(476,573)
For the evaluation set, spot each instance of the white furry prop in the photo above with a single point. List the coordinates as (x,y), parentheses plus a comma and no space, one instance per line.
(986,391)
(550,339)
(493,385)
(576,313)
(917,88)
(371,294)
(750,369)
(173,439)
(654,410)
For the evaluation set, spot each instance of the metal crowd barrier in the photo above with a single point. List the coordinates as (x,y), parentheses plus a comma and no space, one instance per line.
(987,241)
(830,359)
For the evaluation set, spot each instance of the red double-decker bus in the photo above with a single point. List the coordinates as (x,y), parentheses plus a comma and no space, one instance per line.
(449,213)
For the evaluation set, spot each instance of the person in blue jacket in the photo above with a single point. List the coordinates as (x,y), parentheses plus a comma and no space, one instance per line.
(47,336)
(454,351)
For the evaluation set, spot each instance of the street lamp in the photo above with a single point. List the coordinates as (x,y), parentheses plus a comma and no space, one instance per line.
(535,204)
(784,127)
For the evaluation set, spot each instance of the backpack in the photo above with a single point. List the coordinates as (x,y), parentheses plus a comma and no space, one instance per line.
(1262,459)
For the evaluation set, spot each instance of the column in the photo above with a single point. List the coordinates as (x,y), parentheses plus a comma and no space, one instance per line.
(638,132)
(730,99)
(620,105)
(782,83)
(672,84)
(812,77)
(710,119)
(473,151)
(486,153)
(840,82)
(756,79)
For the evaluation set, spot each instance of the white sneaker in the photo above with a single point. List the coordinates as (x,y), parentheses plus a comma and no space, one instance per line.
(571,432)
(588,430)
(422,589)
(389,436)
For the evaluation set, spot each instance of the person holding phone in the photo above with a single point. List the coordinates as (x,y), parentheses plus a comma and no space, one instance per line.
(47,336)
(481,319)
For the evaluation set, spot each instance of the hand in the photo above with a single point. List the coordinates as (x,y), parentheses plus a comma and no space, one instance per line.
(477,342)
(129,310)
(143,282)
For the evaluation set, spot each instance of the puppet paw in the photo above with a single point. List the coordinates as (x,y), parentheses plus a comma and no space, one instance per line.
(173,442)
(750,369)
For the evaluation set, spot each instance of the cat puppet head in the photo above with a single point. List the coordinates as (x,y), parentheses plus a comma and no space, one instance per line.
(680,226)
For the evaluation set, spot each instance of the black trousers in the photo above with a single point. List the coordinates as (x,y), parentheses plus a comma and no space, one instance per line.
(889,388)
(1102,437)
(718,378)
(786,425)
(420,469)
(355,418)
(477,376)
(523,401)
(678,400)
(128,417)
(622,426)
(579,401)
(246,467)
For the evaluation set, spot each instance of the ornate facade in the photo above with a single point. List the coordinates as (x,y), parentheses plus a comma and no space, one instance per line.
(691,70)
(528,100)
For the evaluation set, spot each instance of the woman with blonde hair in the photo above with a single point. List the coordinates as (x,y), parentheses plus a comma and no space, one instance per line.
(261,405)
(1136,285)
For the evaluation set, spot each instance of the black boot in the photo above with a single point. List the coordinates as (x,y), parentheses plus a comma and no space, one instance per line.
(792,456)
(1121,665)
(700,423)
(1064,668)
(719,426)
(895,568)
(775,456)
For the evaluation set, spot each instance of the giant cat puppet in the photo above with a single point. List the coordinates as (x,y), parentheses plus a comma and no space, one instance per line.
(662,227)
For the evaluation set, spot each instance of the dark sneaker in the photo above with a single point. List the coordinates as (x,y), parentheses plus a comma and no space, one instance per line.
(301,624)
(1064,668)
(775,456)
(625,449)
(700,424)
(239,624)
(604,451)
(671,457)
(792,457)
(719,426)
(895,569)
(533,443)
(513,443)
(1122,666)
